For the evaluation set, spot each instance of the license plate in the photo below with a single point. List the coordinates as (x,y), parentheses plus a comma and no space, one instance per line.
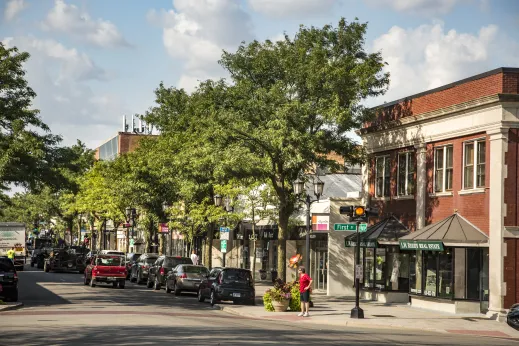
(237,295)
(111,279)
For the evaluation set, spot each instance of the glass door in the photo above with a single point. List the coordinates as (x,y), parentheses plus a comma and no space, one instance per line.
(320,272)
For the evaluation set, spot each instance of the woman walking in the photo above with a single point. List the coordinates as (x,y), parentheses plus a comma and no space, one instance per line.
(305,281)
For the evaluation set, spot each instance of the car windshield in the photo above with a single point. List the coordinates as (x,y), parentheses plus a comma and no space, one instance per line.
(109,261)
(6,266)
(172,262)
(236,276)
(195,270)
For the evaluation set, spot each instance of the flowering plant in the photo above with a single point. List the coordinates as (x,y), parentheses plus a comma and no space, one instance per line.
(281,291)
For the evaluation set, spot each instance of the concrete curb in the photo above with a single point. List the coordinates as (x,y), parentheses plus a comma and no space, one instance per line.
(350,323)
(10,307)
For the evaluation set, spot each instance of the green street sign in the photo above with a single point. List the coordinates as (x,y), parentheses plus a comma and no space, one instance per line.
(223,246)
(363,243)
(132,242)
(350,227)
(345,227)
(421,245)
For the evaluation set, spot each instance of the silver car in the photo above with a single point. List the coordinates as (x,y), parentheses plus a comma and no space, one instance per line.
(185,277)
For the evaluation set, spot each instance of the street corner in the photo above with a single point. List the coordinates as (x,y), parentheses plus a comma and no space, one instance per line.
(10,306)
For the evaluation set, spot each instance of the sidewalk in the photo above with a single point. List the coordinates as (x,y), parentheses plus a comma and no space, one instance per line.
(10,306)
(336,311)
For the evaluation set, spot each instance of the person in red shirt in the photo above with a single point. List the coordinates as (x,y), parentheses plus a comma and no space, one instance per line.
(305,281)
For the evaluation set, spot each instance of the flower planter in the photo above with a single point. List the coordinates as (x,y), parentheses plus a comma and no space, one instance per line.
(280,306)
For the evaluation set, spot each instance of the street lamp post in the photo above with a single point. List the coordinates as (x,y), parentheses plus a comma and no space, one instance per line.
(218,201)
(131,213)
(299,187)
(165,208)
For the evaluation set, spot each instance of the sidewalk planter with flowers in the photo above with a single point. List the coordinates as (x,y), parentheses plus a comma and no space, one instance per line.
(281,296)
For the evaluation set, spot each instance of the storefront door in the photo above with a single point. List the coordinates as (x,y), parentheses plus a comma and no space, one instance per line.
(320,266)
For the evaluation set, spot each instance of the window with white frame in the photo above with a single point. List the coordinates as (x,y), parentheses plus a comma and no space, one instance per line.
(406,170)
(474,160)
(382,174)
(443,171)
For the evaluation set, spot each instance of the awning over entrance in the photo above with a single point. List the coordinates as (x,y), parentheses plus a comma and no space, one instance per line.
(455,230)
(385,232)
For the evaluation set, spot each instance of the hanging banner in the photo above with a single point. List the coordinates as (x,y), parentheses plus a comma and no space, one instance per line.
(320,222)
(163,228)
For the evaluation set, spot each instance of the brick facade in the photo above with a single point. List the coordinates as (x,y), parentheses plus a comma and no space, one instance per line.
(487,103)
(127,143)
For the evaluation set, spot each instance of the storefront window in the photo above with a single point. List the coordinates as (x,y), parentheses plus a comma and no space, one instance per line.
(415,272)
(397,277)
(368,268)
(473,269)
(431,272)
(459,273)
(445,274)
(380,268)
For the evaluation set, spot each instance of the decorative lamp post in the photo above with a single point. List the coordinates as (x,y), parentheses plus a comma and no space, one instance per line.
(165,208)
(299,188)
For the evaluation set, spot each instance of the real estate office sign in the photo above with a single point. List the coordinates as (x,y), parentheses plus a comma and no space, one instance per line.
(421,245)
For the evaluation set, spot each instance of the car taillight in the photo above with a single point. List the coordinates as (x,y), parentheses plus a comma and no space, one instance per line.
(144,267)
(161,271)
(183,276)
(15,277)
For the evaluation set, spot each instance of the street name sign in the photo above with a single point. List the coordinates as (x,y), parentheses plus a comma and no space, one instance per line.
(223,246)
(350,227)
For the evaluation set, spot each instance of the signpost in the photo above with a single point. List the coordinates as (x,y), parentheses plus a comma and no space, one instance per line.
(224,237)
(223,246)
(224,233)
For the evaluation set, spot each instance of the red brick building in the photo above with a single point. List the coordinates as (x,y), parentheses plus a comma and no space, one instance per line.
(455,149)
(123,142)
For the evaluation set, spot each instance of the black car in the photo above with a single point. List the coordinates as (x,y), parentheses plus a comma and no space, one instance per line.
(142,266)
(8,280)
(160,269)
(232,284)
(64,259)
(512,318)
(131,259)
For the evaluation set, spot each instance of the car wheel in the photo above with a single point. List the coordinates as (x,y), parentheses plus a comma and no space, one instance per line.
(85,280)
(92,282)
(201,297)
(176,289)
(45,267)
(139,278)
(156,286)
(252,302)
(32,264)
(14,297)
(132,278)
(213,298)
(149,284)
(121,284)
(114,284)
(168,290)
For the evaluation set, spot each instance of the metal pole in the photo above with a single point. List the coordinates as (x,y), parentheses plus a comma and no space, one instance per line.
(357,312)
(307,256)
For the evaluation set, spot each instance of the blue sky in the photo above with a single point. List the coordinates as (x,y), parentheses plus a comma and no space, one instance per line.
(95,60)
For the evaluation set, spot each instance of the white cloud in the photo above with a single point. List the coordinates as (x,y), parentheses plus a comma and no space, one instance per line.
(60,77)
(426,57)
(196,33)
(291,8)
(427,7)
(71,20)
(13,8)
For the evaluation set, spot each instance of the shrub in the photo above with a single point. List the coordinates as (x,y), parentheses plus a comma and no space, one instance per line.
(267,301)
(295,300)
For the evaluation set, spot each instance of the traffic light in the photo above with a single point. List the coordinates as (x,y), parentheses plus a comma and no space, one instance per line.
(348,209)
(359,211)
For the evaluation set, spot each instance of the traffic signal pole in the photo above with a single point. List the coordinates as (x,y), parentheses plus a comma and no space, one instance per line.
(357,312)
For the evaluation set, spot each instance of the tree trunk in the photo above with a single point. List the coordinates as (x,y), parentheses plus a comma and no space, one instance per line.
(208,251)
(253,267)
(161,244)
(282,244)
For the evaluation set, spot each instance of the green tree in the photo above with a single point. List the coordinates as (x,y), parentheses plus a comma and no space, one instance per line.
(294,101)
(27,149)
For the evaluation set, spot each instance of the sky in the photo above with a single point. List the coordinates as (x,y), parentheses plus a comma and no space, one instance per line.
(93,61)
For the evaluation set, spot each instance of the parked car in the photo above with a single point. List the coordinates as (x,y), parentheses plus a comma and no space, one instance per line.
(64,259)
(160,269)
(8,280)
(512,318)
(108,269)
(140,269)
(185,277)
(232,284)
(131,259)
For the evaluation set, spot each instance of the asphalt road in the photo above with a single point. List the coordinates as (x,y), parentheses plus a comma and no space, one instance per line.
(60,310)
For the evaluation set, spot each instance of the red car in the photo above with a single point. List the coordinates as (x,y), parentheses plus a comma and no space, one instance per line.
(109,269)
